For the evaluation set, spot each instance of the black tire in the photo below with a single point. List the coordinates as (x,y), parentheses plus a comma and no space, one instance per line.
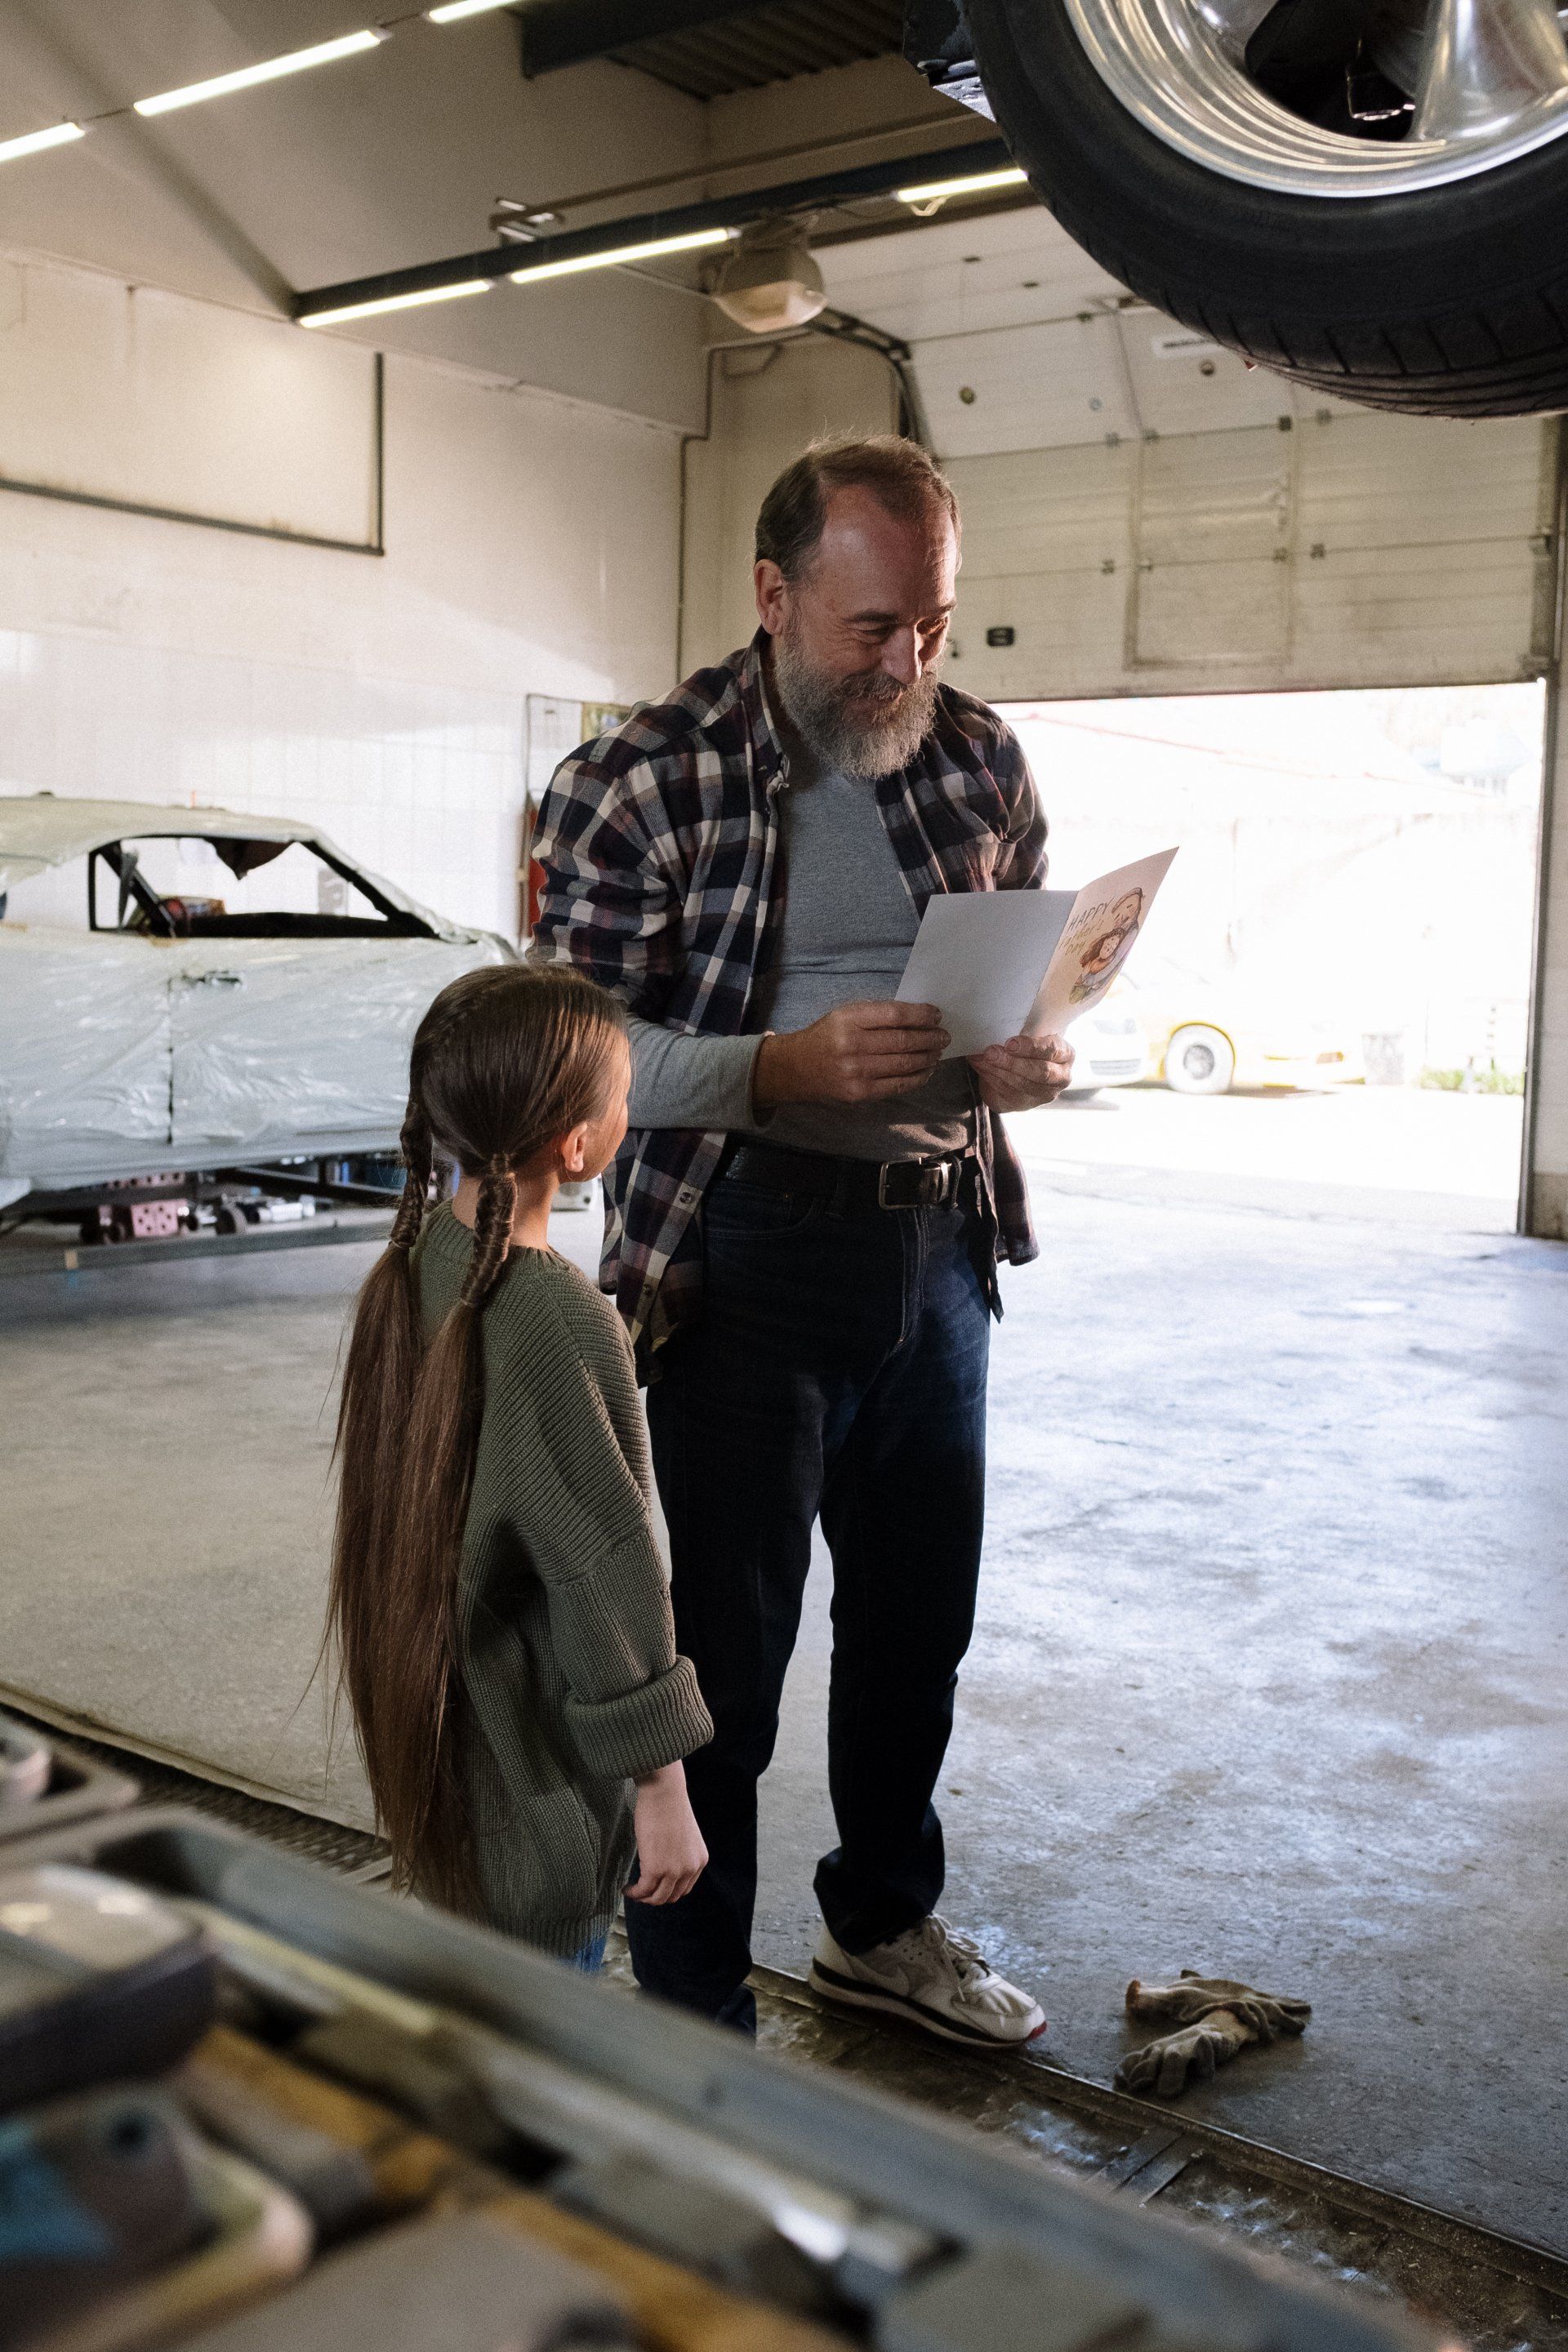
(1449,302)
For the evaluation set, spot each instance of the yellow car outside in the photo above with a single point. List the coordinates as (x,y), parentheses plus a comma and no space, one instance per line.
(1200,1047)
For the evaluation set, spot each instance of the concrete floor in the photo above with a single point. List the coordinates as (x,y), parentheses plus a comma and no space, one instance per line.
(1414,1155)
(1268,1679)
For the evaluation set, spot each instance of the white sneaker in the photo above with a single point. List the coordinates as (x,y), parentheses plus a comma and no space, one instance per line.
(934,1976)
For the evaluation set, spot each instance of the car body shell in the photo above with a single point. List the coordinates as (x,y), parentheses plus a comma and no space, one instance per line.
(124,1053)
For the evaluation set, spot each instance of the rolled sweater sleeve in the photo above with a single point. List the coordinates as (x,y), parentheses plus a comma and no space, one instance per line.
(685,1081)
(578,1502)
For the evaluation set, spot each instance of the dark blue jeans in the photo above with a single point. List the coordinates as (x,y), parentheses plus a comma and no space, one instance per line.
(838,1367)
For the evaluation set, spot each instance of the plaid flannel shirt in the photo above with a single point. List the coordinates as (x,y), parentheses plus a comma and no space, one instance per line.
(659,849)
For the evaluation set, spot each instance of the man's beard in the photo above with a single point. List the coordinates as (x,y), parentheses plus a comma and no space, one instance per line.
(866,725)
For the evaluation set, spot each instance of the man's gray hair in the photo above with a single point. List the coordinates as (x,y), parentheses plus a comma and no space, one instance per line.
(900,476)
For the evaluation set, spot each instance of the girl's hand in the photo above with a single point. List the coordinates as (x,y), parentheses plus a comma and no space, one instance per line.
(671,1856)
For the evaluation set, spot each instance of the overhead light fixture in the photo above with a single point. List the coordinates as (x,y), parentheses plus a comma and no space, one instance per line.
(519,224)
(618,254)
(33,143)
(395,302)
(454,11)
(771,281)
(936,192)
(325,53)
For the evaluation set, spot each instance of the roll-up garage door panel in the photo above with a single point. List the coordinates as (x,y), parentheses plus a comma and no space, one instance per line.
(1414,616)
(1184,610)
(1183,385)
(1348,549)
(1421,551)
(1395,481)
(1061,621)
(1044,512)
(1045,387)
(1214,498)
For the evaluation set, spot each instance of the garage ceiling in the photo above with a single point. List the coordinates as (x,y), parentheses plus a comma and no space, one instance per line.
(362,165)
(768,45)
(396,158)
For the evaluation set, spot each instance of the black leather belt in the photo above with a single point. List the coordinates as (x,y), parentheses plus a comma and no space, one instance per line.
(851,1184)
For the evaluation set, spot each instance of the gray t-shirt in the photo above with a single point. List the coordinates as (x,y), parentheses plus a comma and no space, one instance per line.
(847,928)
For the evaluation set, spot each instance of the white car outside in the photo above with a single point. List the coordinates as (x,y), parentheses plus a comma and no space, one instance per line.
(1108,1045)
(184,988)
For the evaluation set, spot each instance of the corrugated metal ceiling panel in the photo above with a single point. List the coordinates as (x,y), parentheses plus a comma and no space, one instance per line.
(770,44)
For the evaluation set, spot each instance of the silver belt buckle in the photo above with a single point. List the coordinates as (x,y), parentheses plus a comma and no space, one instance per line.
(936,1186)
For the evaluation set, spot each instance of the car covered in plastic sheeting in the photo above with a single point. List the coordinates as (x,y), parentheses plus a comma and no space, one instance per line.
(185,987)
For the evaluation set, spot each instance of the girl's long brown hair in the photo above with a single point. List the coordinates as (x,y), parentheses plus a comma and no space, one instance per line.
(506,1059)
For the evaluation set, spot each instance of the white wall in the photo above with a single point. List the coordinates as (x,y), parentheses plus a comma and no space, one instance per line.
(532,547)
(766,403)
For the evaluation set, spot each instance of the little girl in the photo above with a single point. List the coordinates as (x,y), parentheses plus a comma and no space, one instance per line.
(498,1603)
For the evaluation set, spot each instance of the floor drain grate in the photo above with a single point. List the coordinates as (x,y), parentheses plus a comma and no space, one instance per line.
(158,1784)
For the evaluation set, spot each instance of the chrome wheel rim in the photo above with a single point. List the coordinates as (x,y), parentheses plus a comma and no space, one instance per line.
(1486,82)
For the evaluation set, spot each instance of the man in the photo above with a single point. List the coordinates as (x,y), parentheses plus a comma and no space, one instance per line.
(806,1218)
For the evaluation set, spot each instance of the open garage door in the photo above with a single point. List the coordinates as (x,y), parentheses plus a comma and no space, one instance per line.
(1329,1015)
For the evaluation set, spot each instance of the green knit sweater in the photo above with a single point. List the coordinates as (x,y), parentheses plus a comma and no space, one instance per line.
(570,1681)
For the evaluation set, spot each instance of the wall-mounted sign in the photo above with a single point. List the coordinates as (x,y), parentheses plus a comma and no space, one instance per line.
(1000,636)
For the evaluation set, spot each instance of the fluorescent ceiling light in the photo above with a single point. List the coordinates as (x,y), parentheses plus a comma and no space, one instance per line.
(33,143)
(453,11)
(325,53)
(935,189)
(618,254)
(397,302)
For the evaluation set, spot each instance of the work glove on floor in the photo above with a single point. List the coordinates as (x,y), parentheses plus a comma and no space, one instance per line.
(1218,2016)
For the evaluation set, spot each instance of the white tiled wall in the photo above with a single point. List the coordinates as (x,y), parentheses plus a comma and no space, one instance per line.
(532,547)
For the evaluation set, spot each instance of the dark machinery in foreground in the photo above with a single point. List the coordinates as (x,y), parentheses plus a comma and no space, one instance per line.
(247,2105)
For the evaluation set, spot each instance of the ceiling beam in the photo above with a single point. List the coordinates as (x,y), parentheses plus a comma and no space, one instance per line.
(495,263)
